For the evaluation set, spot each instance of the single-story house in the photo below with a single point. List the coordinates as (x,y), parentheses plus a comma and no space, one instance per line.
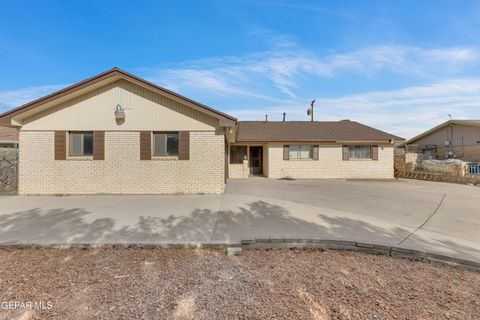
(305,149)
(458,139)
(117,133)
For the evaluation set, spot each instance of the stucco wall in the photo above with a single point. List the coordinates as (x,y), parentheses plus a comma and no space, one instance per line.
(122,171)
(330,164)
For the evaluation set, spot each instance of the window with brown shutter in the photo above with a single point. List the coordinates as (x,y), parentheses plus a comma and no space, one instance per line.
(345,153)
(99,145)
(80,143)
(184,145)
(286,153)
(60,145)
(165,144)
(145,145)
(374,152)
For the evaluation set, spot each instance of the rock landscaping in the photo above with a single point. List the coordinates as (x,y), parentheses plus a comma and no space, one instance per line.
(135,283)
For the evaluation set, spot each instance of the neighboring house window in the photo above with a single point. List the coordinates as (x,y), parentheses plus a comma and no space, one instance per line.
(300,151)
(165,144)
(81,143)
(237,154)
(359,152)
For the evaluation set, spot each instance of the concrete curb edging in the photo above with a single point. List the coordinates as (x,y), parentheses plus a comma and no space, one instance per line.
(265,244)
(269,244)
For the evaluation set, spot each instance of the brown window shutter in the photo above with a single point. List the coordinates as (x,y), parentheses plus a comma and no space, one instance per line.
(345,153)
(99,145)
(286,154)
(60,145)
(145,145)
(184,145)
(315,152)
(374,152)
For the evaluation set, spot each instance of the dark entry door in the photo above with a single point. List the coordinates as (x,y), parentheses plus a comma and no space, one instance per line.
(256,163)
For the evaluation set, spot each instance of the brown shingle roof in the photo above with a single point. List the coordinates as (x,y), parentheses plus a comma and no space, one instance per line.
(321,131)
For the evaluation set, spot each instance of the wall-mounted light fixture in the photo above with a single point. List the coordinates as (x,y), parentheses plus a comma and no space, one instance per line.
(119,113)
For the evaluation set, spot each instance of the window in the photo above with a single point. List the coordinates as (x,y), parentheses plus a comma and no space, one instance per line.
(165,144)
(359,152)
(237,154)
(300,151)
(81,143)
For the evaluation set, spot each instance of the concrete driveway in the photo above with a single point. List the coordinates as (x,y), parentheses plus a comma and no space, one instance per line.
(428,216)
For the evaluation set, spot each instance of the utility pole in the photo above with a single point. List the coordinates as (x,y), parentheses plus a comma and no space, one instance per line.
(310,110)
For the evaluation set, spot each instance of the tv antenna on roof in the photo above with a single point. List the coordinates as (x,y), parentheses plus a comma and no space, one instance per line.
(310,110)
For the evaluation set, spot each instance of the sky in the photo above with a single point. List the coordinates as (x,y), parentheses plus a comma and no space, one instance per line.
(400,66)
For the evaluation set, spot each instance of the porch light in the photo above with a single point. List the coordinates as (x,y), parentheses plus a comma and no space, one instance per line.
(119,113)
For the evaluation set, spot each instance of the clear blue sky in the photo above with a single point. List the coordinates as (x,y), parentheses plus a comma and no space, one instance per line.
(402,66)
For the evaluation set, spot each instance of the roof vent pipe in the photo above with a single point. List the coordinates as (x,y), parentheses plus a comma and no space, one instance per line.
(284,114)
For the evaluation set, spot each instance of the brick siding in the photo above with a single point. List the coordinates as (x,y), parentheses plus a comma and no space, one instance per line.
(330,164)
(121,172)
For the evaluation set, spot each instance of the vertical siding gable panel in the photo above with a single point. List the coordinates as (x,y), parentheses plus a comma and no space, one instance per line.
(146,110)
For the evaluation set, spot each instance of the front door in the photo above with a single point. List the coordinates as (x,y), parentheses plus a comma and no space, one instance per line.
(256,164)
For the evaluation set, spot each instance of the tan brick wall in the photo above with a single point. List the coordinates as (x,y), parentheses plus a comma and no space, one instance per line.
(239,170)
(330,164)
(121,172)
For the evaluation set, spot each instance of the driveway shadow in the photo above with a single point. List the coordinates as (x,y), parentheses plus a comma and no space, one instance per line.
(71,226)
(257,219)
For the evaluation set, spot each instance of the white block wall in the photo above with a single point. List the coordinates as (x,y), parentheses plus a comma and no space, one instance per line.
(330,164)
(122,171)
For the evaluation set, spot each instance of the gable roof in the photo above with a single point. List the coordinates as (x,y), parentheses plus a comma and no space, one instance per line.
(440,126)
(109,76)
(305,131)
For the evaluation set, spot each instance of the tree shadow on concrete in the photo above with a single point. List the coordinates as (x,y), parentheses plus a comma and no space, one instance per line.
(257,219)
(262,219)
(61,226)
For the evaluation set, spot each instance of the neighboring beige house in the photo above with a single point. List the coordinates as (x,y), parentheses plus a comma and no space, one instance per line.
(116,133)
(458,139)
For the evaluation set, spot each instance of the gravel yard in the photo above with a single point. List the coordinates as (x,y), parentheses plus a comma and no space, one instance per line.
(206,284)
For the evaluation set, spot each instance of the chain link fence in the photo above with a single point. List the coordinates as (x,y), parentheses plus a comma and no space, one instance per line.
(8,167)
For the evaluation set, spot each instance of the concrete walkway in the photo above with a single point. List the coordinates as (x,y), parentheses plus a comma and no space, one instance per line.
(428,216)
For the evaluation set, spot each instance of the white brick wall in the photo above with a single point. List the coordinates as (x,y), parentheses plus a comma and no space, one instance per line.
(122,171)
(330,164)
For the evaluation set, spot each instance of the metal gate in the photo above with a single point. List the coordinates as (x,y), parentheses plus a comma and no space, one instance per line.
(8,167)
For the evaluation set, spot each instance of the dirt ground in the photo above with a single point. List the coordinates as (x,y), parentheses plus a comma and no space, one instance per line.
(206,284)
